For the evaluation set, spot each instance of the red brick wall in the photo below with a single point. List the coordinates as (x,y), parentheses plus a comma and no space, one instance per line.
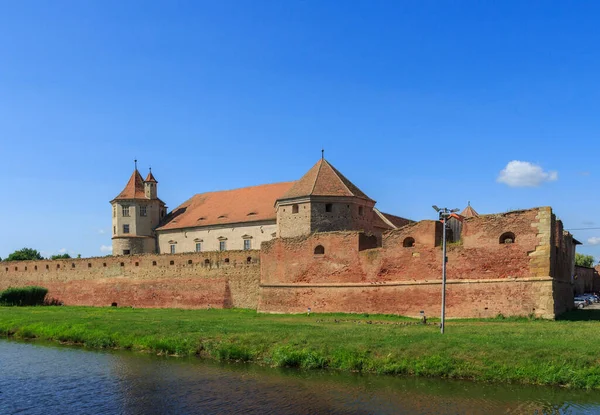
(492,276)
(145,280)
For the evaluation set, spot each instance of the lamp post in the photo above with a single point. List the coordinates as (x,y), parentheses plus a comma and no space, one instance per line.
(444,214)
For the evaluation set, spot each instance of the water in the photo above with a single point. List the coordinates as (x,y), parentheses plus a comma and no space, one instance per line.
(45,379)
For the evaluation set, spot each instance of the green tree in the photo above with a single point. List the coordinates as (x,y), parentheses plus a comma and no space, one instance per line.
(61,256)
(25,254)
(584,260)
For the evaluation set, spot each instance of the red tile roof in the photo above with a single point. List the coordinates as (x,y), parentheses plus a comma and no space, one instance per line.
(324,180)
(469,212)
(248,204)
(397,220)
(134,189)
(150,177)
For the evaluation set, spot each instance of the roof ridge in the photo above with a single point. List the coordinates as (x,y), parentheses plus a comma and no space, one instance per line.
(245,187)
(337,174)
(316,177)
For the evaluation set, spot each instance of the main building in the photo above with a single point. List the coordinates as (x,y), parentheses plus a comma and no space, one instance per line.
(323,200)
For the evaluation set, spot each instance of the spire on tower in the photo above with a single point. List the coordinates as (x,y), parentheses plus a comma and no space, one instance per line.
(135,163)
(322,153)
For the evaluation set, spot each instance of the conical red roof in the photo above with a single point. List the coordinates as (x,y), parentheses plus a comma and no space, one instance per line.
(324,180)
(134,189)
(150,177)
(469,212)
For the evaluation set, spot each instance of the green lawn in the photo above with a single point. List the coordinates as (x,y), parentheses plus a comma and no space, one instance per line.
(513,350)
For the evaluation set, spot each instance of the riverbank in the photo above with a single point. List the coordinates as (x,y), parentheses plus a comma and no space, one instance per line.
(512,350)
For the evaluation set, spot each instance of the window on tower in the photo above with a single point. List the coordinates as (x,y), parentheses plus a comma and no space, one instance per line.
(222,246)
(114,211)
(125,228)
(172,248)
(143,211)
(198,246)
(247,244)
(125,210)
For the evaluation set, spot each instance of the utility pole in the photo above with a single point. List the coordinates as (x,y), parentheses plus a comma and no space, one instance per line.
(444,213)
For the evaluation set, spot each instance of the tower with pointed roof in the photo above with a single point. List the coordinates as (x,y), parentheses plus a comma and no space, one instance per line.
(323,200)
(136,212)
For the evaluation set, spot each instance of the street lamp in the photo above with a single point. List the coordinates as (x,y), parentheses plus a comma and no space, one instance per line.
(444,214)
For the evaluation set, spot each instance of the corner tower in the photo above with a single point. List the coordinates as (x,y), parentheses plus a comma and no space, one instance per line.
(136,212)
(323,200)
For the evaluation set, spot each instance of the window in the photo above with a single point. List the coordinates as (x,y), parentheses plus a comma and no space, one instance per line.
(125,228)
(126,252)
(507,238)
(361,210)
(114,230)
(222,246)
(294,208)
(247,244)
(408,242)
(198,246)
(249,260)
(172,248)
(143,211)
(319,250)
(227,260)
(114,211)
(328,207)
(125,210)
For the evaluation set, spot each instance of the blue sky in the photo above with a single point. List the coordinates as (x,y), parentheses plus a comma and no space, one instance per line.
(418,103)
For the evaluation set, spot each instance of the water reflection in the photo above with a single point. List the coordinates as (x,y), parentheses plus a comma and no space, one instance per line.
(36,379)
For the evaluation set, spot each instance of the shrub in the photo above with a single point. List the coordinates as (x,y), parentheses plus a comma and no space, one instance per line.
(23,296)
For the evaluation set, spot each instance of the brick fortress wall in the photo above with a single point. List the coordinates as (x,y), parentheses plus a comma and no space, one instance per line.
(192,280)
(485,277)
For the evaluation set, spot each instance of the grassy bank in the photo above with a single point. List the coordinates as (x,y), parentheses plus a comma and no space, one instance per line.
(518,350)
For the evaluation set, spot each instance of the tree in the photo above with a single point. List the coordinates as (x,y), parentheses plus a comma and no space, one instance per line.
(584,260)
(61,256)
(25,254)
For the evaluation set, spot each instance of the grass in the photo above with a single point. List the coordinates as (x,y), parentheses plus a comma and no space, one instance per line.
(516,350)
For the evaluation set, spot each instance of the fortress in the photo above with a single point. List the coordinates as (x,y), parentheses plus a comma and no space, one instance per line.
(318,242)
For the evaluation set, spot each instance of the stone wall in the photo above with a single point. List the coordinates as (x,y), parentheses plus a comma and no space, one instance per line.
(215,279)
(485,277)
(586,280)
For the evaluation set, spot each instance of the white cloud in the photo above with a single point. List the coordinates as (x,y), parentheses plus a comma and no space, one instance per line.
(105,249)
(62,250)
(525,174)
(594,240)
(101,231)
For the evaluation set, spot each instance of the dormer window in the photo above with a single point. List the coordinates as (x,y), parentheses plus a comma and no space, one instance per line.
(125,210)
(222,217)
(251,214)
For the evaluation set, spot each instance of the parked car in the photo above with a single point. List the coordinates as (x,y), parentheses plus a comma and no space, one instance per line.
(581,301)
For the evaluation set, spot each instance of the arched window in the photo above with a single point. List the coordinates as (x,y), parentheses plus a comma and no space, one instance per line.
(249,260)
(408,242)
(507,238)
(319,250)
(294,208)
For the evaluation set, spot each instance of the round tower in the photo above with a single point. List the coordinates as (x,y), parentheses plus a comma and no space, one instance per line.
(136,212)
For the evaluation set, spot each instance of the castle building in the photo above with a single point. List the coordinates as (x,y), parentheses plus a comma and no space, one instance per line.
(136,212)
(323,200)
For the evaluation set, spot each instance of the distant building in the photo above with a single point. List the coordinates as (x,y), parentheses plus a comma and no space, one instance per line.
(322,200)
(455,222)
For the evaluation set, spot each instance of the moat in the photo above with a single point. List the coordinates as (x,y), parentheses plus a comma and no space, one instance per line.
(39,378)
